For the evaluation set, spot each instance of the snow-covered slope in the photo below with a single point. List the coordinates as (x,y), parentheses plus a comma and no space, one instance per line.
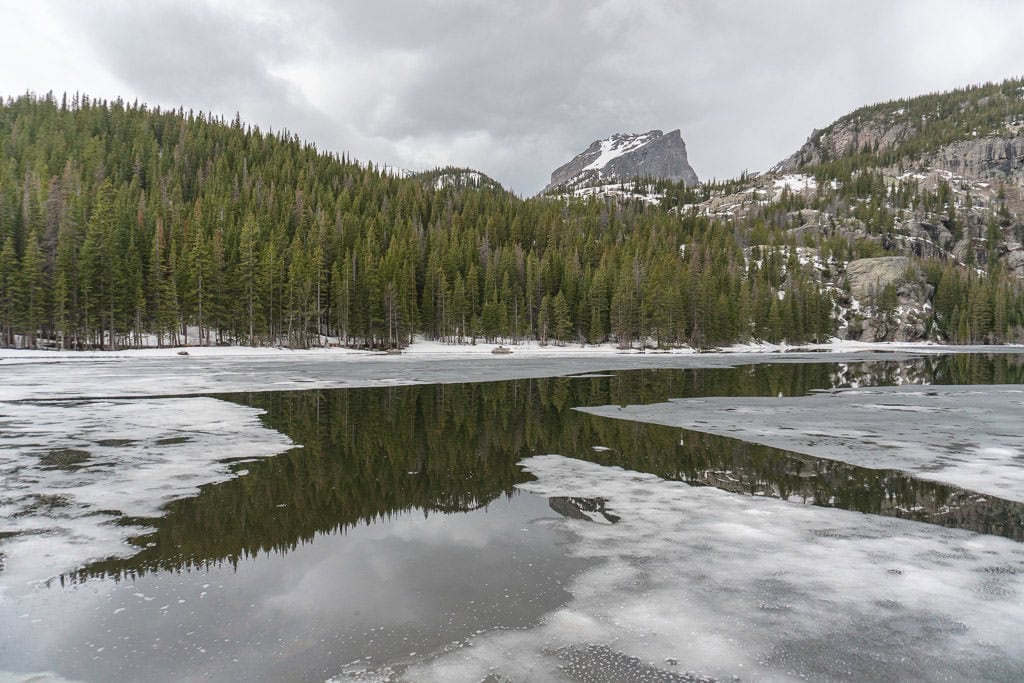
(617,145)
(451,177)
(624,157)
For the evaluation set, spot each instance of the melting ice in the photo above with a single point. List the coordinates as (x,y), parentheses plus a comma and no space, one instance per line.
(694,583)
(69,471)
(966,436)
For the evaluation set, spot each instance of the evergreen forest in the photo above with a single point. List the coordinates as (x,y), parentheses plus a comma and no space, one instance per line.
(124,226)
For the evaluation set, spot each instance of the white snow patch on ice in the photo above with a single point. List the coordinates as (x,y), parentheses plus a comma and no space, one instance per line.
(696,579)
(70,470)
(38,677)
(966,436)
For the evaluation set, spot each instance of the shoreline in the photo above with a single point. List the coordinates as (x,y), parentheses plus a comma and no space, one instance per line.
(146,373)
(533,349)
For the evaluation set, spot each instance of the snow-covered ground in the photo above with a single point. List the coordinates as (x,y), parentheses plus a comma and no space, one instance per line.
(694,579)
(618,190)
(795,183)
(966,436)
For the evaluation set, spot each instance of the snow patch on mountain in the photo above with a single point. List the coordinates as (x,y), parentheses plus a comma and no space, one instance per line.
(618,145)
(623,158)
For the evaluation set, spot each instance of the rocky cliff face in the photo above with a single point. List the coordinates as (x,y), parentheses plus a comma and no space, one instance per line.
(889,301)
(974,138)
(847,137)
(626,156)
(989,158)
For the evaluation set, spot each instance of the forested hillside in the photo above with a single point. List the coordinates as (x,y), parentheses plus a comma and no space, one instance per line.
(906,132)
(936,181)
(125,226)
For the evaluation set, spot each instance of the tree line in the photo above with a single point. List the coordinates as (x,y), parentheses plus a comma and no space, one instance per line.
(125,226)
(122,226)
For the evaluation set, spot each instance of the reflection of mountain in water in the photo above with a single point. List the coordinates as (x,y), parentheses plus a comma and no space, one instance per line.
(370,453)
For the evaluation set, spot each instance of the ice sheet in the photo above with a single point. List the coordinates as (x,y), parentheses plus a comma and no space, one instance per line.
(161,372)
(698,580)
(70,470)
(966,436)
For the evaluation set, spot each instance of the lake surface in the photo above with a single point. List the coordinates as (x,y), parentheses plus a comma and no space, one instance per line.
(400,534)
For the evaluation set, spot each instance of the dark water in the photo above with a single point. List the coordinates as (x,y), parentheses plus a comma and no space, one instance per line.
(396,529)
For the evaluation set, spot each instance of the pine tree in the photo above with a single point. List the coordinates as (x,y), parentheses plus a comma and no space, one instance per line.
(34,290)
(101,270)
(9,290)
(560,318)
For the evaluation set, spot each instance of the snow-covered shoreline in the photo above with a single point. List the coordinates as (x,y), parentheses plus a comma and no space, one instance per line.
(56,375)
(469,350)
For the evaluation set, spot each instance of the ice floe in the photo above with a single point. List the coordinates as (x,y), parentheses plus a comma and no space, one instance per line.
(693,582)
(160,372)
(966,436)
(70,471)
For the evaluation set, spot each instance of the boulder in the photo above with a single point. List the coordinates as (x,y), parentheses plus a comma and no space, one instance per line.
(867,277)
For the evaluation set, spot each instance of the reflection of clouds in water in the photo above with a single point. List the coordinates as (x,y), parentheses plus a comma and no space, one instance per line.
(372,590)
(965,436)
(363,570)
(72,469)
(729,585)
(423,530)
(402,571)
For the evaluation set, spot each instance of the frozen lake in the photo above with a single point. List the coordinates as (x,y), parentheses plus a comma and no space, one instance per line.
(619,517)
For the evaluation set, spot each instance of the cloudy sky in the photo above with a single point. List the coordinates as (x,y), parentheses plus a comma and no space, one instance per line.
(515,89)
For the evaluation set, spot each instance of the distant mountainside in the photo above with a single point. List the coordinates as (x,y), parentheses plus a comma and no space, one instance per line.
(972,132)
(124,226)
(624,157)
(452,177)
(931,182)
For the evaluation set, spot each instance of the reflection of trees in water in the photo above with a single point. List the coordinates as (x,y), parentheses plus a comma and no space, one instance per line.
(368,454)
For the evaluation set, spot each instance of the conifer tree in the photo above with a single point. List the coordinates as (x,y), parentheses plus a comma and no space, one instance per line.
(9,290)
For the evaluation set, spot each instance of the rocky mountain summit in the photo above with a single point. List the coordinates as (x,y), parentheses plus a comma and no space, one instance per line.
(624,157)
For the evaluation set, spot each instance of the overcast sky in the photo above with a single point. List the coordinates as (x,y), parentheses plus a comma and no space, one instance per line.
(515,88)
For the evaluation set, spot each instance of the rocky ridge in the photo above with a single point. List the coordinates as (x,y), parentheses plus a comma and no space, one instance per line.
(940,177)
(625,157)
(858,283)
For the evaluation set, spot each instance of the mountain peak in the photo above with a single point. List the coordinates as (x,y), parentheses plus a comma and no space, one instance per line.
(625,156)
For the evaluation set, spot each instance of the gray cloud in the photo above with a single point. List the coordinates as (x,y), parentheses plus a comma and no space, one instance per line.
(515,89)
